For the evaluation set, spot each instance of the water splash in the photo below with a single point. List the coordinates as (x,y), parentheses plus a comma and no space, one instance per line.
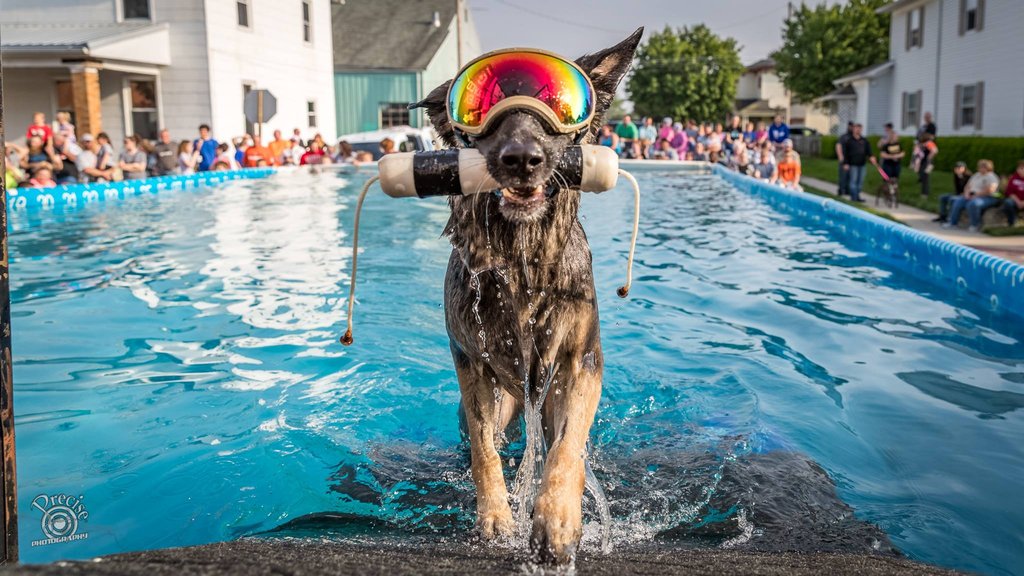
(601,501)
(531,468)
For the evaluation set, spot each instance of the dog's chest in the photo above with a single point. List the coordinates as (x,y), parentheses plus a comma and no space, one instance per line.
(513,309)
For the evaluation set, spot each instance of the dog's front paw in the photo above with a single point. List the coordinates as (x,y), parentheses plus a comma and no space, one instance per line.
(557,528)
(495,521)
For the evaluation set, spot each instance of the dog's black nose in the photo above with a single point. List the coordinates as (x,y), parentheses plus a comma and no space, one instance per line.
(523,157)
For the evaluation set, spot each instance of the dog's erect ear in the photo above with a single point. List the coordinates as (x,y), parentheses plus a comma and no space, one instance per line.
(438,114)
(606,69)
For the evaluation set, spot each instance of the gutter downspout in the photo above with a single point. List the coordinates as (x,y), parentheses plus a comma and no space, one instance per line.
(458,31)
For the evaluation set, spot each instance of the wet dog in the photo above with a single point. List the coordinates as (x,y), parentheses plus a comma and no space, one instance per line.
(521,310)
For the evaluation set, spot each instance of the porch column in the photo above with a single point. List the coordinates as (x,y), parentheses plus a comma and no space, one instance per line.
(85,94)
(8,484)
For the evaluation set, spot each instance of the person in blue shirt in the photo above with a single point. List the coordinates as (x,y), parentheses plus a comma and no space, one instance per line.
(778,132)
(207,148)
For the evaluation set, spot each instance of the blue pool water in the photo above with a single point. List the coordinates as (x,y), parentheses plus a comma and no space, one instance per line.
(177,366)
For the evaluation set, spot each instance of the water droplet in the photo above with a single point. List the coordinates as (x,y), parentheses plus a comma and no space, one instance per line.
(548,332)
(485,355)
(533,321)
(543,293)
(558,391)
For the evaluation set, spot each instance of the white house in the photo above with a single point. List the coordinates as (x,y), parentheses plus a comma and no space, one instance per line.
(761,95)
(134,66)
(958,59)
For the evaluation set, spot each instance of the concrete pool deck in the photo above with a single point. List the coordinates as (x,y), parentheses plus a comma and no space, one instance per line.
(1008,247)
(256,557)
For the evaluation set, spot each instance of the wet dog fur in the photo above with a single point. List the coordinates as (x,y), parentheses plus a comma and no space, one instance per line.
(521,309)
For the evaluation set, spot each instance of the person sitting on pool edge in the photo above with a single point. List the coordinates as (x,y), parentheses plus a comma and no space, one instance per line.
(960,177)
(789,172)
(1014,201)
(979,195)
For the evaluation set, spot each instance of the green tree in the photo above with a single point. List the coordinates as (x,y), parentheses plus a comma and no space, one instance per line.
(824,42)
(685,73)
(617,109)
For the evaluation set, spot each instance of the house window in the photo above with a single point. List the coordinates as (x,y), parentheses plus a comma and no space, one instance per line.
(911,109)
(394,114)
(311,113)
(307,21)
(135,9)
(971,15)
(145,119)
(968,104)
(915,28)
(243,13)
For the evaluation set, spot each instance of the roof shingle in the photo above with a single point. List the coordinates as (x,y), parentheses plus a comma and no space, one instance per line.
(388,34)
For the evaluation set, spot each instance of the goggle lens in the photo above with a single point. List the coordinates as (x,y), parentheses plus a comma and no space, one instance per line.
(558,84)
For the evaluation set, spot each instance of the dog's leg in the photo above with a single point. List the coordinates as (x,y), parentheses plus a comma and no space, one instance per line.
(493,513)
(558,512)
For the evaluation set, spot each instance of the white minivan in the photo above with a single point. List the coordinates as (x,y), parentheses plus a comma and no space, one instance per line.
(406,139)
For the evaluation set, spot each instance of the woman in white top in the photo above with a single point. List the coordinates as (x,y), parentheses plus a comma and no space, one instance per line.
(188,158)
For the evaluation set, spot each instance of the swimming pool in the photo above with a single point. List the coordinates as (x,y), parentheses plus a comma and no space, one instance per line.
(177,366)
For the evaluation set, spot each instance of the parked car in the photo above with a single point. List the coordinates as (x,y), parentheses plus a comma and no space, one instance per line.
(406,139)
(799,130)
(806,140)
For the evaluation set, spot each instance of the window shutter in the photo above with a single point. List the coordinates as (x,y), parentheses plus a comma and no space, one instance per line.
(920,34)
(963,16)
(921,108)
(907,39)
(980,19)
(956,107)
(903,111)
(979,104)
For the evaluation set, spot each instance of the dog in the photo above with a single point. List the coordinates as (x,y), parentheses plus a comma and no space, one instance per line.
(889,193)
(521,309)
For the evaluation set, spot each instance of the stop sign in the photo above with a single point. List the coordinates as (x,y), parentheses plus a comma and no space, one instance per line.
(252,106)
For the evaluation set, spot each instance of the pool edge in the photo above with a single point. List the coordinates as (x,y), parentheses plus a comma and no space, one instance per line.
(945,264)
(72,196)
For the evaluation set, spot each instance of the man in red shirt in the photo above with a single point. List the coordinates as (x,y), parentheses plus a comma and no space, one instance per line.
(258,155)
(40,128)
(1014,202)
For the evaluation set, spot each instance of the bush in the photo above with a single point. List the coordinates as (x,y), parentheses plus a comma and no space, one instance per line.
(1003,152)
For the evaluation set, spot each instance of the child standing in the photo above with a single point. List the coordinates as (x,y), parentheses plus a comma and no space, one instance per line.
(65,127)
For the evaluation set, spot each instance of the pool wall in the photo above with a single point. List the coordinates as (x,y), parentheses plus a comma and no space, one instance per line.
(999,282)
(76,195)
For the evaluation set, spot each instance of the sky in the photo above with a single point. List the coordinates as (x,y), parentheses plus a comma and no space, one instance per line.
(575,27)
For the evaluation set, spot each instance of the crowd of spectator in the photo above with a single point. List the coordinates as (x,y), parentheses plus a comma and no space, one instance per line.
(57,155)
(764,151)
(974,193)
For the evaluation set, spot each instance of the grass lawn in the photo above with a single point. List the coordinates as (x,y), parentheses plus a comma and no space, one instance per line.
(863,207)
(910,190)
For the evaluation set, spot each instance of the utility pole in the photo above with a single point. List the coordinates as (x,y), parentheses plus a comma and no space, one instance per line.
(8,464)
